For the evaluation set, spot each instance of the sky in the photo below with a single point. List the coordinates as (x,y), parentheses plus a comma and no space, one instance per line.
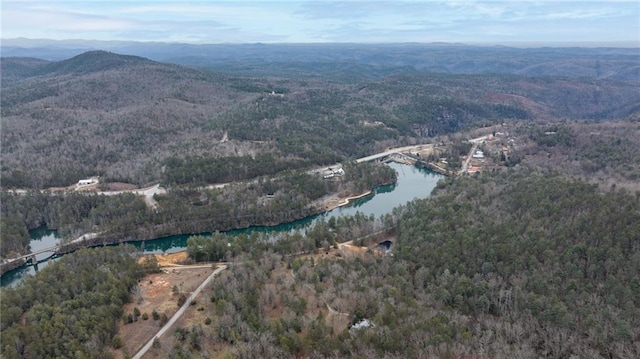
(321,21)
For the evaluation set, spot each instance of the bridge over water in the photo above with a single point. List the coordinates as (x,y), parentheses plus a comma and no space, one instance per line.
(33,256)
(397,150)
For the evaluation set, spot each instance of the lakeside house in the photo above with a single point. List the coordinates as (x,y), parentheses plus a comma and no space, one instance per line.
(88,181)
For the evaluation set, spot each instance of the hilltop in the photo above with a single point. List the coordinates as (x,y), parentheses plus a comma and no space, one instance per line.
(98,110)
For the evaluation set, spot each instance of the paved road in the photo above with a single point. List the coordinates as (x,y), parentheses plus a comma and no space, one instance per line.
(156,189)
(179,313)
(475,142)
(146,192)
(149,192)
(465,165)
(148,195)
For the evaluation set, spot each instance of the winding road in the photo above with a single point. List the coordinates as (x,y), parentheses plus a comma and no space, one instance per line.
(149,192)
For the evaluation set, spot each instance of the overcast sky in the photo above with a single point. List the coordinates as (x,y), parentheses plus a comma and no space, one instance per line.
(297,21)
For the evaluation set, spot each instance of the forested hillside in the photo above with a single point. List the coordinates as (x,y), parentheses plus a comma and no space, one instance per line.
(106,114)
(501,266)
(71,309)
(129,119)
(603,153)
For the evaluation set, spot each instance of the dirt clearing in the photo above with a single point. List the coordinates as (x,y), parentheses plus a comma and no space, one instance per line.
(158,292)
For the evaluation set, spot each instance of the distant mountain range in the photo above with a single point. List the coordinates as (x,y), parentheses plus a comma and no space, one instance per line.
(358,61)
(125,117)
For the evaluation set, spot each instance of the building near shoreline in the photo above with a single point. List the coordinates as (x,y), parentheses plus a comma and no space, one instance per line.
(88,181)
(333,173)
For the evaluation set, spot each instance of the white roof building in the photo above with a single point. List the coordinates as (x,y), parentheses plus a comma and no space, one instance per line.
(478,154)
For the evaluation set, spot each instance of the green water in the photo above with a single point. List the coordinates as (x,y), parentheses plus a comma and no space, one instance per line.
(412,183)
(41,238)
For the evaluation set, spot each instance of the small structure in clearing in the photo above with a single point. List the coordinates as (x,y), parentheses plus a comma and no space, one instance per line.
(330,173)
(87,182)
(363,324)
(478,154)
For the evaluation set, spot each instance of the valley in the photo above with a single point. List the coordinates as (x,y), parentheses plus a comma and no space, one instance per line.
(279,173)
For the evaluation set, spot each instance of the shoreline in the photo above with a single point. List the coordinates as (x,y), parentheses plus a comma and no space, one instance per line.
(77,243)
(330,205)
(90,240)
(93,239)
(7,265)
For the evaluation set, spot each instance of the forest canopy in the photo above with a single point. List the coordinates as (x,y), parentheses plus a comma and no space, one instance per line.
(500,265)
(58,315)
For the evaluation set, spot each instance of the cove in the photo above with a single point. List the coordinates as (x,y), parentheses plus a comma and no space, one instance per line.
(413,182)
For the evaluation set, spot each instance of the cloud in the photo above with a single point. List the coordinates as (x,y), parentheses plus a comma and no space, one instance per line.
(315,10)
(322,21)
(58,23)
(217,10)
(582,14)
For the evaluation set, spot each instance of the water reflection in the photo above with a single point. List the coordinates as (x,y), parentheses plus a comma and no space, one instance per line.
(413,182)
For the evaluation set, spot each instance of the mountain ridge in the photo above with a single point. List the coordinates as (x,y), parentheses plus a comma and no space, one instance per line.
(126,117)
(251,59)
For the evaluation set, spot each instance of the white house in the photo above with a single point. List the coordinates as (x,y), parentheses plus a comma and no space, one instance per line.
(478,154)
(88,181)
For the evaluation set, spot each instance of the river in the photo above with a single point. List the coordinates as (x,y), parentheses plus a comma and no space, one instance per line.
(413,182)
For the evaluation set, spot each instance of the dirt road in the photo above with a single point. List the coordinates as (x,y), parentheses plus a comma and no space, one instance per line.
(179,313)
